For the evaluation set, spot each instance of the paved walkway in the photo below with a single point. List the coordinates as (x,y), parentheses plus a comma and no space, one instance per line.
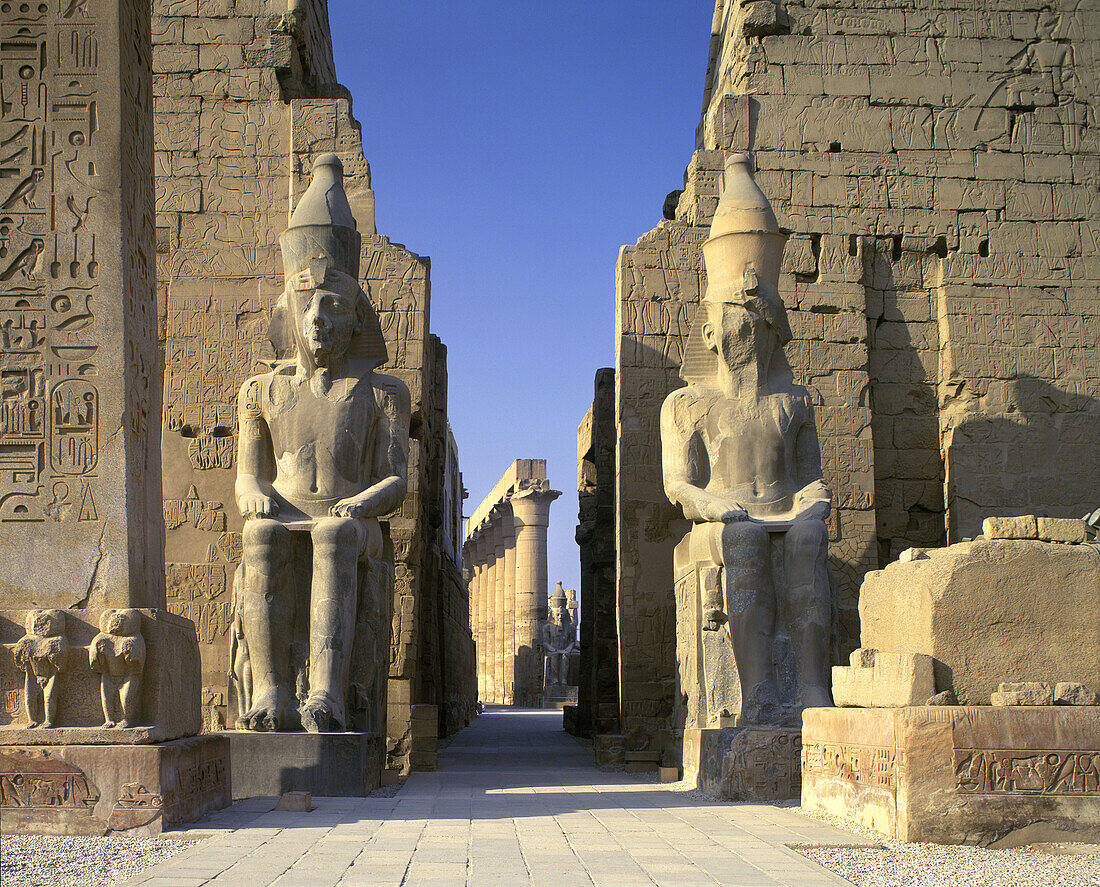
(515,801)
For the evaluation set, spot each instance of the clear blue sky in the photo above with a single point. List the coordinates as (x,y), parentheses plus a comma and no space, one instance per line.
(519,144)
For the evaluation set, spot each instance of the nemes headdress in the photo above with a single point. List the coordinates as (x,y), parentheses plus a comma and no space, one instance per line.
(742,256)
(321,247)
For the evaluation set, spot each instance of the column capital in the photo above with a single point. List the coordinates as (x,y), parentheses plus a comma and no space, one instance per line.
(531,508)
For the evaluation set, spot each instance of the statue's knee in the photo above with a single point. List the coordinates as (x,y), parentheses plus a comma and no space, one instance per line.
(808,536)
(747,534)
(339,532)
(744,546)
(265,543)
(263,531)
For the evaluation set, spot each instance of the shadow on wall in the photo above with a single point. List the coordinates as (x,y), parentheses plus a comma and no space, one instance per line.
(1025,446)
(903,364)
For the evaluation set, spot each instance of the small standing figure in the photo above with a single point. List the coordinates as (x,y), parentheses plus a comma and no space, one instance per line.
(43,654)
(118,654)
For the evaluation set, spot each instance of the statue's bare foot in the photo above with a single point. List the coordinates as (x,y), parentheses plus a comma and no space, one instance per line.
(268,712)
(32,725)
(319,716)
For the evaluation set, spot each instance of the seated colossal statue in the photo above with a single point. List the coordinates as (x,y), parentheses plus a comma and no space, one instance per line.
(741,457)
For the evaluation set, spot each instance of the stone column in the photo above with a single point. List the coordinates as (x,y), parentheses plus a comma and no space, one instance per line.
(470,574)
(488,604)
(508,530)
(531,510)
(496,535)
(478,563)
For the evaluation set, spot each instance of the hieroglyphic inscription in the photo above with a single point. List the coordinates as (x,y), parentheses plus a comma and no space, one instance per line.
(1027,772)
(200,592)
(32,779)
(195,512)
(212,342)
(49,183)
(763,764)
(862,764)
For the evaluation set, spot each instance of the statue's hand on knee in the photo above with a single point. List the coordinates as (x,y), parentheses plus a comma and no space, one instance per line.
(715,510)
(256,504)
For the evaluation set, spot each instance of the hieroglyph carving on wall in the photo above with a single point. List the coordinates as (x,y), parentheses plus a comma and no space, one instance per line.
(861,764)
(49,182)
(1004,771)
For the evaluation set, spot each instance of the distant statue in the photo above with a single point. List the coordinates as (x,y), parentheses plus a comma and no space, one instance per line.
(559,638)
(43,653)
(322,455)
(117,653)
(741,457)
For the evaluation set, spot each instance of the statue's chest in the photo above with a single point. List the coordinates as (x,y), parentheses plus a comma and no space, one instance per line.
(749,441)
(338,422)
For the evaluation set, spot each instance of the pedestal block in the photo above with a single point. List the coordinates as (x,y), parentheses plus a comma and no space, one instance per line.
(105,789)
(957,774)
(325,764)
(743,763)
(170,703)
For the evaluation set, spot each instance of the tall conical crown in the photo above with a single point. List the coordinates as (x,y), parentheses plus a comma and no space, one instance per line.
(743,234)
(742,256)
(322,226)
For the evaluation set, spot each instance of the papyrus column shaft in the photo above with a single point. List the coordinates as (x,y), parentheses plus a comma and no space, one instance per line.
(508,530)
(532,517)
(497,537)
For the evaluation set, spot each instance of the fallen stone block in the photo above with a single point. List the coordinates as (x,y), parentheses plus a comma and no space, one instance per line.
(1025,526)
(1067,530)
(1067,693)
(876,679)
(295,802)
(1023,693)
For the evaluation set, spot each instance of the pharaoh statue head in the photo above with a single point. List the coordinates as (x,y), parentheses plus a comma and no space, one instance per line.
(45,623)
(324,315)
(740,322)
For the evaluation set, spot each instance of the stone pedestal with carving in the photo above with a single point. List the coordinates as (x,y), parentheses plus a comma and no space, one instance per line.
(743,763)
(103,789)
(326,764)
(166,707)
(958,774)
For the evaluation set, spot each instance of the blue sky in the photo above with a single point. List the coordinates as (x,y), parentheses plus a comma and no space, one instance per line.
(520,144)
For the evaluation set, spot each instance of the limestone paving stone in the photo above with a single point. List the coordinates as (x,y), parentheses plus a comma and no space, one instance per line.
(516,801)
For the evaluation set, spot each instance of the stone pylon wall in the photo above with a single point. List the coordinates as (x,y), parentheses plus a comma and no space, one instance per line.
(598,686)
(505,560)
(937,168)
(245,97)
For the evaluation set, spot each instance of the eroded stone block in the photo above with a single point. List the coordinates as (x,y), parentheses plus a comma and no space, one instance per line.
(1023,693)
(1068,530)
(104,789)
(1068,693)
(990,611)
(1024,527)
(888,680)
(956,775)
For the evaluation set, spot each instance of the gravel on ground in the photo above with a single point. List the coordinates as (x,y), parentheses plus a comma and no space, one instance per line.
(49,861)
(897,864)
